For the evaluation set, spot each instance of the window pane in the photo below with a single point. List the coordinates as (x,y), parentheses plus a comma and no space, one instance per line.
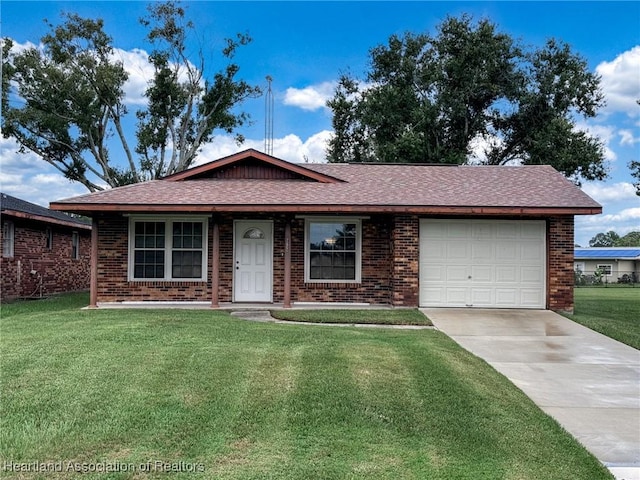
(332,251)
(254,233)
(350,259)
(186,264)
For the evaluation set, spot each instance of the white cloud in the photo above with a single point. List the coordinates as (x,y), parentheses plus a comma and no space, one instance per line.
(605,133)
(27,176)
(621,222)
(18,47)
(627,138)
(290,148)
(608,193)
(310,98)
(621,82)
(136,64)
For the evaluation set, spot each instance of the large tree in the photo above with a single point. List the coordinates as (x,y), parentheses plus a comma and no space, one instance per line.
(65,101)
(184,107)
(612,239)
(432,98)
(608,239)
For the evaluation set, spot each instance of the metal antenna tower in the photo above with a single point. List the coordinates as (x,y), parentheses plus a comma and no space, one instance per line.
(268,124)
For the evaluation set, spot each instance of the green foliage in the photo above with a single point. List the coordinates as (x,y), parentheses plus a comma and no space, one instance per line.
(634,166)
(184,108)
(608,239)
(612,239)
(429,98)
(631,239)
(65,101)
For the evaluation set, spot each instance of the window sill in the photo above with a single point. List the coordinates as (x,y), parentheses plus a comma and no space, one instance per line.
(328,283)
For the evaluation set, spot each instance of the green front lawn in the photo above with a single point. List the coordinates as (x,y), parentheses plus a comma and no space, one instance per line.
(200,390)
(398,316)
(614,312)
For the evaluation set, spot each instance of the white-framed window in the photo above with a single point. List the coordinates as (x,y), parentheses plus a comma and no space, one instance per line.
(168,248)
(604,268)
(8,239)
(333,250)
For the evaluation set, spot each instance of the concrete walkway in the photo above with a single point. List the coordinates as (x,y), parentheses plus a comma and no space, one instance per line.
(588,382)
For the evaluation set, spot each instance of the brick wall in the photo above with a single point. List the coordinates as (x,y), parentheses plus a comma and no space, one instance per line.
(55,271)
(375,285)
(390,272)
(113,284)
(405,239)
(560,276)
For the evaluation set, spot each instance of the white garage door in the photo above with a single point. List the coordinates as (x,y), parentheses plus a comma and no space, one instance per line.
(482,263)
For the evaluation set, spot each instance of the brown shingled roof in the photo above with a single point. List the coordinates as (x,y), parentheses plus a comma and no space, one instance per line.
(522,190)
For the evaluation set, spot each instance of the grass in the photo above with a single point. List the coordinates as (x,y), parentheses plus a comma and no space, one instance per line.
(401,316)
(614,312)
(200,390)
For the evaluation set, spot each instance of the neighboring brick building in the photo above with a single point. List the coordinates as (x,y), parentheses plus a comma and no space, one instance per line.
(254,228)
(43,252)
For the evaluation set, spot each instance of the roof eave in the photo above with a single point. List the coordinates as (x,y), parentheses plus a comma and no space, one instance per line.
(83,208)
(45,219)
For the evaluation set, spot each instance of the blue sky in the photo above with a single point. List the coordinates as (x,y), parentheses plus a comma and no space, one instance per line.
(305,46)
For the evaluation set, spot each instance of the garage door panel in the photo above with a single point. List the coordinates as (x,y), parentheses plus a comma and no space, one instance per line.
(457,250)
(456,297)
(482,230)
(482,263)
(506,297)
(482,274)
(507,252)
(482,297)
(531,252)
(532,275)
(433,273)
(458,230)
(507,274)
(507,230)
(436,250)
(531,298)
(532,231)
(436,295)
(482,251)
(456,273)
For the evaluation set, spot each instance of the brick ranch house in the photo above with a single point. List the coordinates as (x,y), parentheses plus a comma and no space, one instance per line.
(254,228)
(43,252)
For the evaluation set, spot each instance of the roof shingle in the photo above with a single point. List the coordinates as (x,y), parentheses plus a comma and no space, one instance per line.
(369,187)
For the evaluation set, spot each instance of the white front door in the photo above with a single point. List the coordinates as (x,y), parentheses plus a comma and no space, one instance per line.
(253,254)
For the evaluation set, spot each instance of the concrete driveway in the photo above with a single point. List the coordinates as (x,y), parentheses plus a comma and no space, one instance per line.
(588,382)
